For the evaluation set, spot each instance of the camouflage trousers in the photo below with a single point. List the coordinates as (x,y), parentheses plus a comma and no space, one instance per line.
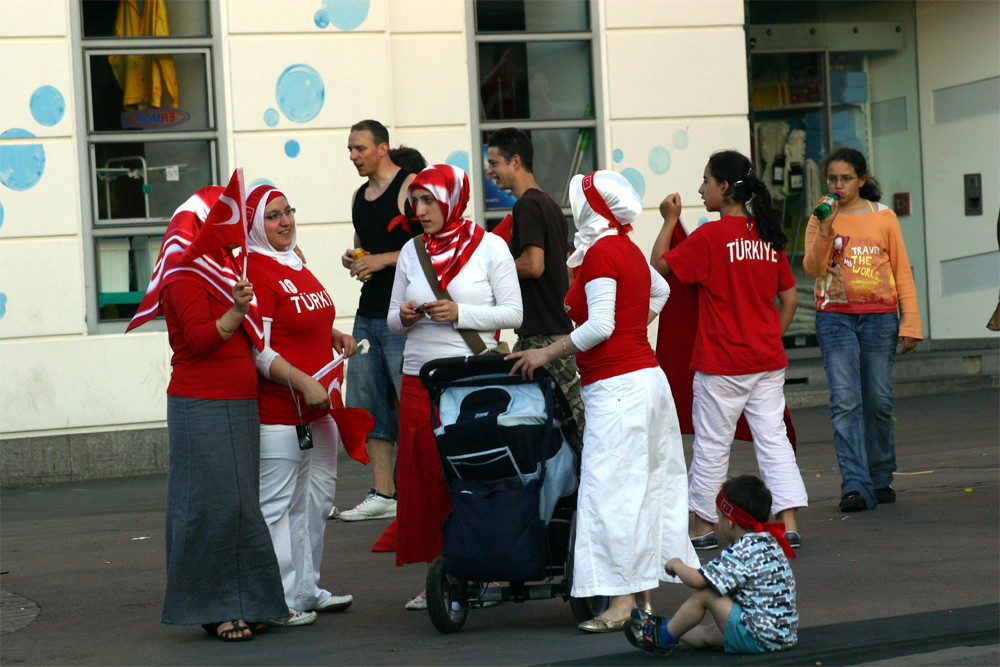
(563,370)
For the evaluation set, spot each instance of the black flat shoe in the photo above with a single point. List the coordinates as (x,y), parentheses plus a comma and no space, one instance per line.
(852,502)
(886,495)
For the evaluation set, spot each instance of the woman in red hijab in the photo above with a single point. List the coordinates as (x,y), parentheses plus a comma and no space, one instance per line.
(478,273)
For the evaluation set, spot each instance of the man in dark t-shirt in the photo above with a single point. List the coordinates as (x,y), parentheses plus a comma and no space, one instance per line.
(538,242)
(374,379)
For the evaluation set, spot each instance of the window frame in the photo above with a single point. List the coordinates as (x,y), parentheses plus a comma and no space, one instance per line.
(478,126)
(87,139)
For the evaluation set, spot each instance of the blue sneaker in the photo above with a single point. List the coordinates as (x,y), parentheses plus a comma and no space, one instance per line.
(649,633)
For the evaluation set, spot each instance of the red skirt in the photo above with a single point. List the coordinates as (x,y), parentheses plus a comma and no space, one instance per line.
(422,498)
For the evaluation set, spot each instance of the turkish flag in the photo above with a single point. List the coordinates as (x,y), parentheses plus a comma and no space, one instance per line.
(354,424)
(226,224)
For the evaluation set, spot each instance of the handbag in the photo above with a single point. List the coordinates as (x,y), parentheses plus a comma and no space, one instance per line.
(472,338)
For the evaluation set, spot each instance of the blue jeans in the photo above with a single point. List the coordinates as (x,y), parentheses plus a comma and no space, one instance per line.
(858,354)
(374,380)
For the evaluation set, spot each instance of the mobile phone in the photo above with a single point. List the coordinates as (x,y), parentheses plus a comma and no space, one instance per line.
(420,309)
(305,436)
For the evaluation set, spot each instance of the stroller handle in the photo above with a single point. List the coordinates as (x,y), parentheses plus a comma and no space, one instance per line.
(449,369)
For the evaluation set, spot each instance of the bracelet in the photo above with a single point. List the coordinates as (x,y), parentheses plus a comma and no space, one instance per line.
(218,323)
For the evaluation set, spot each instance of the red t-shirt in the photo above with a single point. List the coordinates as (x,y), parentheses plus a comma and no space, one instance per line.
(301,315)
(204,365)
(627,350)
(738,278)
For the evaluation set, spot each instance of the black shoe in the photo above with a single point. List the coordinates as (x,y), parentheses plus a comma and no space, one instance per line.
(852,502)
(885,495)
(705,542)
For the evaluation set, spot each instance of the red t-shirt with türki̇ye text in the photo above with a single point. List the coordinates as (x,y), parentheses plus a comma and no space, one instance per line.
(301,313)
(738,278)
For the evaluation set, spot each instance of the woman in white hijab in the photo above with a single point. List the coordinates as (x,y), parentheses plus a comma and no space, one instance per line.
(632,501)
(298,436)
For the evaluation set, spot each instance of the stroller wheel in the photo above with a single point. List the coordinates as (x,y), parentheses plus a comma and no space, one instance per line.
(445,604)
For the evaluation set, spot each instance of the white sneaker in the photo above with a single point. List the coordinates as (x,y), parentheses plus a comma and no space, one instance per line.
(295,617)
(334,513)
(372,507)
(334,603)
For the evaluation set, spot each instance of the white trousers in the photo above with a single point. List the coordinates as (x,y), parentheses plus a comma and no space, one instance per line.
(718,402)
(632,501)
(296,494)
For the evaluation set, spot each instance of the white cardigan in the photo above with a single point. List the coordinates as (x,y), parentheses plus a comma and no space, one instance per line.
(486,291)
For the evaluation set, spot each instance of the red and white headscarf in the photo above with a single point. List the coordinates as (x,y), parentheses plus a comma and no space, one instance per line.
(604,203)
(257,200)
(451,247)
(218,268)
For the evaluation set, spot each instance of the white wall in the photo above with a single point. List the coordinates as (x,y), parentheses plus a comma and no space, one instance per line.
(664,119)
(958,44)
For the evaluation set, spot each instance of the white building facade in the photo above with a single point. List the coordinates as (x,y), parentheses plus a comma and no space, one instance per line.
(93,162)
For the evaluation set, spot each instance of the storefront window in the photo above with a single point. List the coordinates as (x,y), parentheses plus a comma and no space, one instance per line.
(152,133)
(535,72)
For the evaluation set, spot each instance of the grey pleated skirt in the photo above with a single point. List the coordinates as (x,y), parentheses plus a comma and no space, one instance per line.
(220,561)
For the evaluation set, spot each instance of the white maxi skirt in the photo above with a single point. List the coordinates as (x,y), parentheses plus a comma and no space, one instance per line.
(632,507)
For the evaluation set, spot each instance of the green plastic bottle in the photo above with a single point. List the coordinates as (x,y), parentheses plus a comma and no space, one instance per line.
(824,207)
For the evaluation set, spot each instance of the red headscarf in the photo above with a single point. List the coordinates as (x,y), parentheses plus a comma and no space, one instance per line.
(450,248)
(742,518)
(217,268)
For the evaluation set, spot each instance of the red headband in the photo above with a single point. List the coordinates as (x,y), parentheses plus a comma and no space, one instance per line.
(600,206)
(742,519)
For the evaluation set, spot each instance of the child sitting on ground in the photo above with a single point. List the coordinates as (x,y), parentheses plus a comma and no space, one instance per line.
(749,588)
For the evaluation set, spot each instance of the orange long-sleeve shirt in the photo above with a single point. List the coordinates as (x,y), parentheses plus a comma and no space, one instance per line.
(861,266)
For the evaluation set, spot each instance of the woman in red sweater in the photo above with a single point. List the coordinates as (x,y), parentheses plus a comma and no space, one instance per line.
(221,569)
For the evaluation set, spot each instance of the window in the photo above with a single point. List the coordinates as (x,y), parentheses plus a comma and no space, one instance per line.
(152,134)
(535,71)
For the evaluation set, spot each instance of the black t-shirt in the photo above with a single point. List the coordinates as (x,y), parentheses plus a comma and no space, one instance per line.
(371,222)
(539,221)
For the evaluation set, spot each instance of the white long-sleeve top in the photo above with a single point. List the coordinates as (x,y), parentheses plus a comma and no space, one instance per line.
(600,322)
(486,291)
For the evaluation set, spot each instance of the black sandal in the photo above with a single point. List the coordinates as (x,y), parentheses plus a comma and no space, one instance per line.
(229,634)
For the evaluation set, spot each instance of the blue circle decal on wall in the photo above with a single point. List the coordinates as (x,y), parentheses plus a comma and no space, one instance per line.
(3,304)
(260,181)
(347,14)
(21,166)
(702,220)
(300,93)
(47,106)
(292,148)
(681,139)
(635,179)
(459,159)
(322,18)
(271,117)
(659,160)
(1,214)
(618,155)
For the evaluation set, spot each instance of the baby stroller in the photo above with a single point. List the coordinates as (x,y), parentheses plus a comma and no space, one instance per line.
(510,456)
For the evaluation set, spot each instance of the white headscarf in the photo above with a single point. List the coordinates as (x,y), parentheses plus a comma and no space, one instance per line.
(604,203)
(257,200)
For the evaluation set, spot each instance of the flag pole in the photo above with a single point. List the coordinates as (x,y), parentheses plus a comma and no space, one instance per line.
(243,216)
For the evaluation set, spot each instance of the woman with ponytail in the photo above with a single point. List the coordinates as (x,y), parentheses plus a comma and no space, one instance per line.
(866,306)
(740,268)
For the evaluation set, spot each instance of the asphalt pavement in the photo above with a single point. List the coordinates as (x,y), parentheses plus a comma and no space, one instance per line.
(916,582)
